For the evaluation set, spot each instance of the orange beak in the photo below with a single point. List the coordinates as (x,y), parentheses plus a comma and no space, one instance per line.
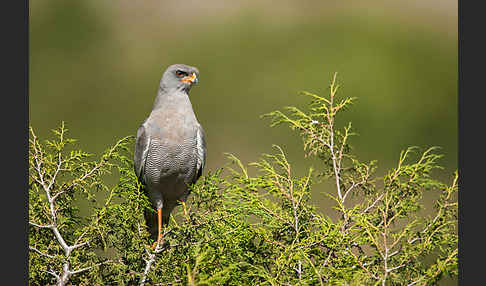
(190,78)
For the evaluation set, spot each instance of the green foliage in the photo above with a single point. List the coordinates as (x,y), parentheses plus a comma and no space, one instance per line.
(238,229)
(63,243)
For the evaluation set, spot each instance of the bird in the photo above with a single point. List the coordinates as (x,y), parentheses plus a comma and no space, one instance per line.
(170,147)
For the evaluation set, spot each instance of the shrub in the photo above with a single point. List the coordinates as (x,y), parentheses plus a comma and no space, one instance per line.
(238,229)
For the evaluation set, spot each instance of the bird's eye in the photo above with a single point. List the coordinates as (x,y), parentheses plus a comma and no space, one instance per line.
(180,73)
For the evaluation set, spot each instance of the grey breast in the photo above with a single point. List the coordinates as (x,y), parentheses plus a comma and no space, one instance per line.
(171,162)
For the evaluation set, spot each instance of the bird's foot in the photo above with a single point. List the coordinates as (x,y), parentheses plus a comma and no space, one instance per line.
(156,243)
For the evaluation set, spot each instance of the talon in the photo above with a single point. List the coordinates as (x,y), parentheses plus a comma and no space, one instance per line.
(154,246)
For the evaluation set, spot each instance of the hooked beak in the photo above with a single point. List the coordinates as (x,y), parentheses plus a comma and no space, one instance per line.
(190,79)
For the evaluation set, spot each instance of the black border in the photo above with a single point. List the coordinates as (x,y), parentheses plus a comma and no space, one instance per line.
(14,21)
(472,119)
(460,106)
(460,161)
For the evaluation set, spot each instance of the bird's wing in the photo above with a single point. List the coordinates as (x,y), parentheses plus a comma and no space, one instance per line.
(201,151)
(142,145)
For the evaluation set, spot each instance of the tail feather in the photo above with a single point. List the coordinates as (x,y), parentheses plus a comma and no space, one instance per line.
(151,222)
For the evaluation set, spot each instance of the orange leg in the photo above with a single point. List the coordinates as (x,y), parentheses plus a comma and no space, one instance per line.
(159,220)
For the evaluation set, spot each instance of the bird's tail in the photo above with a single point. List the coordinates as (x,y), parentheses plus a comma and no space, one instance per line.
(151,221)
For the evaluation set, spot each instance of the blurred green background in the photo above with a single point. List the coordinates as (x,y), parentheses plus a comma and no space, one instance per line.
(96,64)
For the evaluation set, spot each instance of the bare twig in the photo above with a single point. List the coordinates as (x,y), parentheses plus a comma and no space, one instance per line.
(90,267)
(151,258)
(41,226)
(373,204)
(395,268)
(364,267)
(53,274)
(415,282)
(40,252)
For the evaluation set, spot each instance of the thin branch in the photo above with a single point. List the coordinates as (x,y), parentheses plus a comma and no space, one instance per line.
(53,274)
(40,252)
(393,253)
(151,259)
(394,268)
(327,259)
(56,195)
(349,190)
(58,168)
(41,226)
(373,204)
(364,267)
(81,236)
(88,268)
(148,265)
(79,245)
(415,282)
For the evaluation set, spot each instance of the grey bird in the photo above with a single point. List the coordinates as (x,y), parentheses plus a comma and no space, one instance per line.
(170,149)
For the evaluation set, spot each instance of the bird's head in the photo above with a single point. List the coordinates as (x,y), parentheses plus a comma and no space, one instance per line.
(179,76)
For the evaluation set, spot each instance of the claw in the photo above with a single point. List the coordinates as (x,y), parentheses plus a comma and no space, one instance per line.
(156,243)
